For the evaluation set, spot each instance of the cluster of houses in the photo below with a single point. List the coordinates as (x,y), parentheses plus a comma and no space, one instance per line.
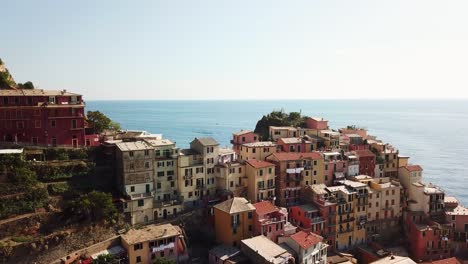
(294,197)
(301,194)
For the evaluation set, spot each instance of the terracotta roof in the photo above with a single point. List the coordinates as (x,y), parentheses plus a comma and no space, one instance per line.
(293,140)
(285,156)
(306,240)
(365,153)
(258,164)
(265,207)
(447,261)
(235,205)
(242,132)
(36,92)
(413,168)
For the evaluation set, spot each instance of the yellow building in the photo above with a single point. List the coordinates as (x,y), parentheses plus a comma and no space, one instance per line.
(155,241)
(260,180)
(331,138)
(233,221)
(257,150)
(282,132)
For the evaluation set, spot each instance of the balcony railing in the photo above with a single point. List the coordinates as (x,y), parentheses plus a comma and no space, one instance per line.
(315,220)
(200,186)
(137,196)
(346,220)
(167,203)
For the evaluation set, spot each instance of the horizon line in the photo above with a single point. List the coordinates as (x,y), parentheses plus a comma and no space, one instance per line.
(288,99)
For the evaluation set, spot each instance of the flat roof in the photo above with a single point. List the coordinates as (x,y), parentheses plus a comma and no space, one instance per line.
(283,127)
(242,132)
(11,151)
(133,146)
(266,248)
(35,92)
(149,233)
(260,144)
(224,252)
(353,184)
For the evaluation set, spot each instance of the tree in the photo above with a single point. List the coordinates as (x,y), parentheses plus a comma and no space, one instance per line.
(94,206)
(24,176)
(101,122)
(27,85)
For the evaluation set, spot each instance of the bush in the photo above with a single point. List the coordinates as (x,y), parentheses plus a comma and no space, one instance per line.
(21,239)
(65,154)
(94,206)
(27,203)
(53,171)
(58,188)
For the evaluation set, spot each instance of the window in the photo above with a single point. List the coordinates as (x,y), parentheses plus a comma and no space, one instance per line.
(51,99)
(158,185)
(141,203)
(130,153)
(243,139)
(270,170)
(37,124)
(138,259)
(53,141)
(53,123)
(158,152)
(74,123)
(260,172)
(160,173)
(172,184)
(138,246)
(132,188)
(254,150)
(132,166)
(250,215)
(146,152)
(147,164)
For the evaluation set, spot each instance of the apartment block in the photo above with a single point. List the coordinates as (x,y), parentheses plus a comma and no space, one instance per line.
(271,221)
(308,247)
(258,150)
(335,167)
(243,137)
(260,180)
(230,174)
(282,132)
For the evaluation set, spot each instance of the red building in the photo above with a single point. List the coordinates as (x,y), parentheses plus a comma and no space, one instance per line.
(317,123)
(43,118)
(428,240)
(269,220)
(295,145)
(307,218)
(293,170)
(243,137)
(366,162)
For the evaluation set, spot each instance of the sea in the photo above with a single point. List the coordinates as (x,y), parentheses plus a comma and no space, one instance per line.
(434,133)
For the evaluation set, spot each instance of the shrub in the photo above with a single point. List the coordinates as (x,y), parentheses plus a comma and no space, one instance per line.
(58,188)
(21,239)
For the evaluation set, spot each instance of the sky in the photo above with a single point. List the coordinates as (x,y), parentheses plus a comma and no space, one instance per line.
(262,49)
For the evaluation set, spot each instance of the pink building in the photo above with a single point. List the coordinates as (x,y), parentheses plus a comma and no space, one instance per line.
(295,145)
(335,168)
(317,123)
(243,137)
(457,216)
(269,220)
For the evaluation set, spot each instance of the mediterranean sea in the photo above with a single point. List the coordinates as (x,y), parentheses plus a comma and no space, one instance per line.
(434,133)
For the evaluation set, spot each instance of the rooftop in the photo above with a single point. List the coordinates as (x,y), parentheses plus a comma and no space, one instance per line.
(159,142)
(283,127)
(207,141)
(224,151)
(319,188)
(308,208)
(265,207)
(258,164)
(318,119)
(36,92)
(452,260)
(306,240)
(394,259)
(266,248)
(286,156)
(341,188)
(293,140)
(459,210)
(242,132)
(133,146)
(353,184)
(235,205)
(450,200)
(11,151)
(149,233)
(413,168)
(260,144)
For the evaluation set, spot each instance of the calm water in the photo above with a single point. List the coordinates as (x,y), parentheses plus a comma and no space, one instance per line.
(432,133)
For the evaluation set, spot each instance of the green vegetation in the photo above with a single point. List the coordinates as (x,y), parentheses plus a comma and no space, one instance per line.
(58,188)
(22,204)
(61,171)
(278,118)
(27,85)
(65,154)
(163,261)
(101,122)
(22,239)
(94,206)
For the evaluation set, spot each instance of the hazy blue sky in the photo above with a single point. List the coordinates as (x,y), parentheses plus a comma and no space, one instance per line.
(239,49)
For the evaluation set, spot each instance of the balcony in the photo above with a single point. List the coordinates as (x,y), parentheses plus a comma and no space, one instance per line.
(188,176)
(167,203)
(200,186)
(316,220)
(273,220)
(138,196)
(162,247)
(343,212)
(360,195)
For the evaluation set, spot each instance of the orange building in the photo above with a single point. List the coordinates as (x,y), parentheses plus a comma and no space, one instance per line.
(260,180)
(233,221)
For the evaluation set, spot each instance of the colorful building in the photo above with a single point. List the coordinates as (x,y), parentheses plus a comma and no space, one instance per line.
(243,137)
(155,241)
(258,150)
(457,216)
(335,167)
(270,221)
(296,145)
(294,170)
(233,220)
(317,123)
(308,247)
(366,162)
(282,132)
(307,218)
(230,174)
(260,180)
(46,118)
